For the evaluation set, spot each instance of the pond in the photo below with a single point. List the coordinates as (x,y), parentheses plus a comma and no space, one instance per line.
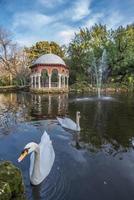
(97,164)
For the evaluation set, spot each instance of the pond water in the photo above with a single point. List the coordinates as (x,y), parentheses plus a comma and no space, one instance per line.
(97,164)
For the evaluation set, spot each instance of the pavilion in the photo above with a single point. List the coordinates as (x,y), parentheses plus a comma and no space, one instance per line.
(49,73)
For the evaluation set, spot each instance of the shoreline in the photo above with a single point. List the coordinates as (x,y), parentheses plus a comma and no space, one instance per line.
(13,88)
(4,89)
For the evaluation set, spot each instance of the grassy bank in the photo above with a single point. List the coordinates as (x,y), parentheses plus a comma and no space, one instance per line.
(13,88)
(107,88)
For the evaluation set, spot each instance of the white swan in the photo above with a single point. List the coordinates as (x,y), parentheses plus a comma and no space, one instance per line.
(70,124)
(41,160)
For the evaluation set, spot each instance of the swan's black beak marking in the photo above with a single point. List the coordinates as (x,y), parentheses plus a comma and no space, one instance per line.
(23,154)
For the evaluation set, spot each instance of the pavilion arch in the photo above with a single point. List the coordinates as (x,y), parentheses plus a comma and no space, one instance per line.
(44,78)
(54,78)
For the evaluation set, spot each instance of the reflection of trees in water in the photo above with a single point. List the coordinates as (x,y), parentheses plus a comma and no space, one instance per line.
(103,129)
(49,105)
(76,140)
(7,120)
(105,126)
(11,112)
(19,107)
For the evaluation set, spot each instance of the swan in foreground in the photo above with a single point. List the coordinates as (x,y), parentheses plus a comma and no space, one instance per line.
(41,160)
(69,123)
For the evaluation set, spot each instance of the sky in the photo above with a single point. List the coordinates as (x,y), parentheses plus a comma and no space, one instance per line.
(30,21)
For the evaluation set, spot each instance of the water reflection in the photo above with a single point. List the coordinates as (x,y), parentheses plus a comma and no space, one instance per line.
(49,106)
(76,140)
(106,125)
(25,106)
(36,192)
(101,152)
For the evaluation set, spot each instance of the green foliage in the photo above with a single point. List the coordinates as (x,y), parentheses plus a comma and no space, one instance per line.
(12,179)
(121,56)
(5,192)
(43,47)
(88,46)
(4,81)
(81,86)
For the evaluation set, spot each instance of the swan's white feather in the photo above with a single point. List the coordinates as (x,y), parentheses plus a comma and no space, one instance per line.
(68,123)
(47,154)
(32,157)
(47,157)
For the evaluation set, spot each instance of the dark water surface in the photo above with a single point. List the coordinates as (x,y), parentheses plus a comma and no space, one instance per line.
(99,167)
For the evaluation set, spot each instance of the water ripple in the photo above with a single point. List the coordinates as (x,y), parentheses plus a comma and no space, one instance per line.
(56,186)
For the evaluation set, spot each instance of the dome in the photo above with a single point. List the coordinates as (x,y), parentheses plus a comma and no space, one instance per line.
(49,59)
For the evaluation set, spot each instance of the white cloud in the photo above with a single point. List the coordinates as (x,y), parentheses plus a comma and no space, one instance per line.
(80,9)
(34,26)
(96,18)
(114,19)
(57,32)
(31,21)
(66,35)
(77,11)
(50,3)
(27,40)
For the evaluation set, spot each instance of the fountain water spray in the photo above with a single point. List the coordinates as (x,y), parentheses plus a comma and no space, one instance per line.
(99,71)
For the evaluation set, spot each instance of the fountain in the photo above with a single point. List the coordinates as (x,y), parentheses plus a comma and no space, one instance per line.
(99,71)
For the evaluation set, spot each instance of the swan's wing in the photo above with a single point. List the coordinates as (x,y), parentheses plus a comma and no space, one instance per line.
(67,123)
(70,123)
(47,154)
(60,120)
(44,139)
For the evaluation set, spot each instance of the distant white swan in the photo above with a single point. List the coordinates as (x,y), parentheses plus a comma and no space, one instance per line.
(69,123)
(41,160)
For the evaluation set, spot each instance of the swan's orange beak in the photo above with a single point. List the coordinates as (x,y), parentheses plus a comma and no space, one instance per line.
(23,155)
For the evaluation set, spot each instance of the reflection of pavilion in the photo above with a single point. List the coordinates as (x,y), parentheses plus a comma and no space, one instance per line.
(50,105)
(49,73)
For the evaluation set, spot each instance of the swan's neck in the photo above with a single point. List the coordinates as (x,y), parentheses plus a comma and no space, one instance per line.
(36,166)
(77,122)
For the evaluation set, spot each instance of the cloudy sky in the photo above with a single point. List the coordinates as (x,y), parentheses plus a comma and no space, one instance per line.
(57,20)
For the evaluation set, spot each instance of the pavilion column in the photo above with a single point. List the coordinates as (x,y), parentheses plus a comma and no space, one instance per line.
(39,81)
(49,76)
(59,80)
(34,81)
(64,81)
(67,80)
(31,81)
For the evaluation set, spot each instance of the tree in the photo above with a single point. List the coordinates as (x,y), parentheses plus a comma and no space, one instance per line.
(121,54)
(81,50)
(43,47)
(88,46)
(13,60)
